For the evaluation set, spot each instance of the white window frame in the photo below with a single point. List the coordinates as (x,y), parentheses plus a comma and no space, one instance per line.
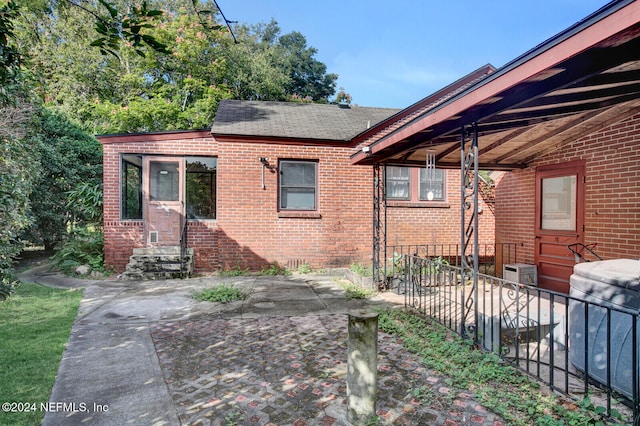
(399,180)
(438,180)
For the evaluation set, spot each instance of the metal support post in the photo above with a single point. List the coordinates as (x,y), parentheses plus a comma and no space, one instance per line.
(469,229)
(379,226)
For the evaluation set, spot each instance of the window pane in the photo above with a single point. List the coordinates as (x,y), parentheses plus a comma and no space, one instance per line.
(559,203)
(201,187)
(398,190)
(200,196)
(298,185)
(164,181)
(298,174)
(298,198)
(398,179)
(434,184)
(131,187)
(201,164)
(398,173)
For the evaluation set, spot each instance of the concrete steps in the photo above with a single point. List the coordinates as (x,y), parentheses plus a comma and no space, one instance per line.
(158,263)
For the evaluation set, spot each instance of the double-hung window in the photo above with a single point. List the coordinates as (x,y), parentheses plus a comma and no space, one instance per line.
(432,187)
(415,184)
(398,183)
(298,185)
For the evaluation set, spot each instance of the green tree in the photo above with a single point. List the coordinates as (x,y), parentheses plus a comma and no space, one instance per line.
(41,153)
(15,173)
(307,76)
(16,176)
(127,92)
(9,55)
(253,72)
(67,156)
(114,22)
(266,65)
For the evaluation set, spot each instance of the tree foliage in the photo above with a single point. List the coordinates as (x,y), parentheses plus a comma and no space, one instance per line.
(308,76)
(9,54)
(268,66)
(68,158)
(129,92)
(15,185)
(131,28)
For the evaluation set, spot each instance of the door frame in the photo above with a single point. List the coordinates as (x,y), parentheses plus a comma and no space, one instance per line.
(558,255)
(180,203)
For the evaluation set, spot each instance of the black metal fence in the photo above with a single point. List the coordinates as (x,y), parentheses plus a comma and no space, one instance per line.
(577,347)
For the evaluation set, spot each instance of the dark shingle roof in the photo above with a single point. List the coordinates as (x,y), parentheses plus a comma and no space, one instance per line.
(295,120)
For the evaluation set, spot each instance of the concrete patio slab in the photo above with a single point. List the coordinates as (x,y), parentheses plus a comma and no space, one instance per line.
(146,353)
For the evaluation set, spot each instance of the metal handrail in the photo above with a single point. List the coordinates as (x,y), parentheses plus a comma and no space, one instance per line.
(183,249)
(578,249)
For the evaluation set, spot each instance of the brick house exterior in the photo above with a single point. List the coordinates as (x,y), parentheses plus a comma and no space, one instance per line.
(254,144)
(437,223)
(562,121)
(121,235)
(612,201)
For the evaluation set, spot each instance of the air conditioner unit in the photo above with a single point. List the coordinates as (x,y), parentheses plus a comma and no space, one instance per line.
(520,273)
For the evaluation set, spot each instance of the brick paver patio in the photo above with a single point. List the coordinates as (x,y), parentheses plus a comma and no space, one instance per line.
(292,371)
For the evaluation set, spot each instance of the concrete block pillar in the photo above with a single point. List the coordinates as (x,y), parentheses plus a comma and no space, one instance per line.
(362,366)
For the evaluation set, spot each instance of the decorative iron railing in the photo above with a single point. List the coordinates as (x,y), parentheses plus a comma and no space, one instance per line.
(490,256)
(576,347)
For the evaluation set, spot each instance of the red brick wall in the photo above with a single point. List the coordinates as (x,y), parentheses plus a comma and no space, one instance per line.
(612,193)
(250,232)
(254,232)
(411,223)
(121,236)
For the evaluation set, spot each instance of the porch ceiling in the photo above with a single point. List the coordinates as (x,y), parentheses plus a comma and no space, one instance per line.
(573,84)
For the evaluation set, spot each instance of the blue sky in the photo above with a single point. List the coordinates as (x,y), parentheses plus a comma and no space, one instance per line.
(393,53)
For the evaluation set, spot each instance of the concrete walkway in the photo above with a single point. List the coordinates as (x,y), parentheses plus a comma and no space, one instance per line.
(146,353)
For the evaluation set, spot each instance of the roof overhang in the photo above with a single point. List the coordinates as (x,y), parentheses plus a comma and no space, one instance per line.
(153,136)
(583,79)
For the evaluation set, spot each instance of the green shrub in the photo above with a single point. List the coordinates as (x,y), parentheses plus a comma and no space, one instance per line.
(223,293)
(234,271)
(362,270)
(304,269)
(354,291)
(85,248)
(7,289)
(274,269)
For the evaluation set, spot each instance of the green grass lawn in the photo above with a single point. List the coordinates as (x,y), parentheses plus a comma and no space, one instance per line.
(35,323)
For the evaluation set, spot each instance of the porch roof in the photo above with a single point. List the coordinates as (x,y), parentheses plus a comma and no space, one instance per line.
(580,80)
(292,121)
